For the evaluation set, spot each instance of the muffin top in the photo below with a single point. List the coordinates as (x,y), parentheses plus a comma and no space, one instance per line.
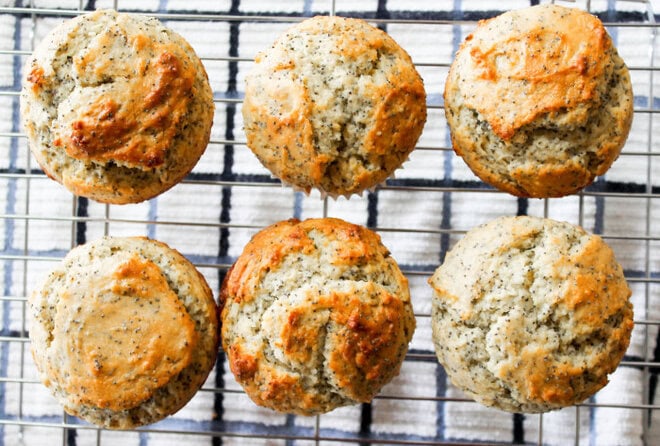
(116,106)
(315,315)
(123,331)
(529,62)
(538,101)
(530,314)
(334,104)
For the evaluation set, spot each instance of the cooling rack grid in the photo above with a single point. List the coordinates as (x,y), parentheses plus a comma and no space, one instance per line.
(419,214)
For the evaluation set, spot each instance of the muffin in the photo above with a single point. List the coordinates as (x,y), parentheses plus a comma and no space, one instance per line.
(538,101)
(124,331)
(117,107)
(530,314)
(334,104)
(315,315)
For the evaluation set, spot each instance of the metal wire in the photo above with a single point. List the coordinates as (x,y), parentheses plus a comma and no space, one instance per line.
(32,173)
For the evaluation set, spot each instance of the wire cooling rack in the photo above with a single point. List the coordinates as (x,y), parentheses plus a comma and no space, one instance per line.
(419,214)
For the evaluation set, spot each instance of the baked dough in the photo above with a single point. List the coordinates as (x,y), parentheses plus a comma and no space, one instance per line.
(538,101)
(315,315)
(334,104)
(116,106)
(530,314)
(124,331)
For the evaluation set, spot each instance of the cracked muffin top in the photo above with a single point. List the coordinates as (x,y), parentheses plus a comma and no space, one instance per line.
(334,104)
(116,106)
(530,314)
(315,315)
(538,101)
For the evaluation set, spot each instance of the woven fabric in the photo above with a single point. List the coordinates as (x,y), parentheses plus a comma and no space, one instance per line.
(419,214)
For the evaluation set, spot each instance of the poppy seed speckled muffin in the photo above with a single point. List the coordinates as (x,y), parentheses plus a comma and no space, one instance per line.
(116,106)
(530,314)
(538,101)
(124,331)
(315,315)
(334,104)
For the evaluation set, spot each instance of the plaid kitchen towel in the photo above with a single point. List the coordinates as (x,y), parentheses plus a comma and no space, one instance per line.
(419,214)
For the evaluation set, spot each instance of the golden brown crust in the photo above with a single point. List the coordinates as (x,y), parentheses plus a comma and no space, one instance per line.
(124,331)
(315,315)
(133,133)
(113,374)
(545,313)
(538,101)
(268,248)
(117,107)
(368,346)
(588,275)
(265,250)
(519,72)
(342,130)
(549,384)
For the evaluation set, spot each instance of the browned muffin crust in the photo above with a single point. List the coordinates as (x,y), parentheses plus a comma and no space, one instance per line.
(335,104)
(124,331)
(116,106)
(538,101)
(530,314)
(315,315)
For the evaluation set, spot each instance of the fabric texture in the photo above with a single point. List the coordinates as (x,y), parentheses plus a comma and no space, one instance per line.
(420,214)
